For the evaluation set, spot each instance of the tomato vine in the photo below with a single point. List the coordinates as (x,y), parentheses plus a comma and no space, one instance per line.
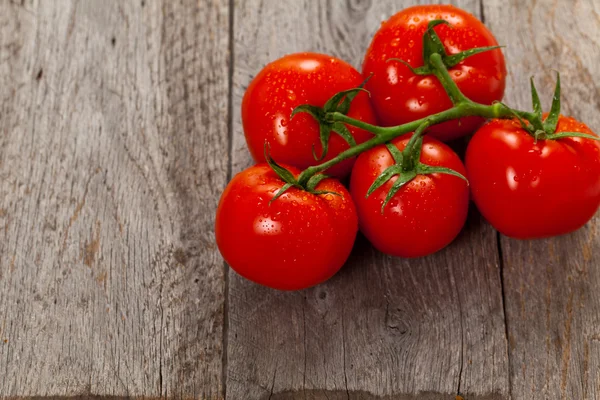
(332,117)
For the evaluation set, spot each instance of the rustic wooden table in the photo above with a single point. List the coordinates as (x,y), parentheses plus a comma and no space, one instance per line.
(120,126)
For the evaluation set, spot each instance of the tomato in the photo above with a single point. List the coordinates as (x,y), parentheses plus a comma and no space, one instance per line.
(531,190)
(400,96)
(297,241)
(423,216)
(303,78)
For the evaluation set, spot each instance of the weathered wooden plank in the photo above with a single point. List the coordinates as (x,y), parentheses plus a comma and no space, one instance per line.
(113,148)
(551,286)
(383,327)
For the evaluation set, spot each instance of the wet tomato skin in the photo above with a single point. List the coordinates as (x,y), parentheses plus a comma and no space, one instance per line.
(282,85)
(399,96)
(298,241)
(529,190)
(425,215)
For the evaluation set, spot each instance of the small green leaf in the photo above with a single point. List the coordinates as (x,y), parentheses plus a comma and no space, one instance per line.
(316,112)
(280,192)
(424,70)
(425,169)
(344,106)
(314,181)
(342,130)
(334,102)
(324,133)
(552,120)
(454,59)
(402,180)
(283,173)
(396,154)
(431,41)
(562,135)
(383,178)
(535,100)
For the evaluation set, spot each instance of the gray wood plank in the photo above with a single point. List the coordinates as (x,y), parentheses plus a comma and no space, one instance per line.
(113,150)
(551,286)
(383,327)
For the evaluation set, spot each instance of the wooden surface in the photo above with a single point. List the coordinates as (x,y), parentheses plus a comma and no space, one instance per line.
(120,126)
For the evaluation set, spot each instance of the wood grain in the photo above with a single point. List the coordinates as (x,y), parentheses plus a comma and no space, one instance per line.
(114,148)
(551,286)
(112,154)
(383,327)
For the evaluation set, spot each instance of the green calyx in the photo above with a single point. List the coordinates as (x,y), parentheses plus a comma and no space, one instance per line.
(432,44)
(291,181)
(340,102)
(542,129)
(407,167)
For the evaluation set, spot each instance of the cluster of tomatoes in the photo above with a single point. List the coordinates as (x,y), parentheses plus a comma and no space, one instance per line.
(526,185)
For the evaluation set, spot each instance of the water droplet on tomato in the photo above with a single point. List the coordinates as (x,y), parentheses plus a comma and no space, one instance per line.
(395,42)
(411,43)
(416,19)
(291,95)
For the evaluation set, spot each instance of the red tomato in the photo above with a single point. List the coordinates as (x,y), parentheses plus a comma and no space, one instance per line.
(531,190)
(399,96)
(303,78)
(297,241)
(425,215)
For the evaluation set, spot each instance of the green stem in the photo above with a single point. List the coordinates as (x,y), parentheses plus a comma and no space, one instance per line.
(374,129)
(385,134)
(441,72)
(408,163)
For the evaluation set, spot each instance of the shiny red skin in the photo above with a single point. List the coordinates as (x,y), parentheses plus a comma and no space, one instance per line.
(530,190)
(399,96)
(302,78)
(298,241)
(425,215)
